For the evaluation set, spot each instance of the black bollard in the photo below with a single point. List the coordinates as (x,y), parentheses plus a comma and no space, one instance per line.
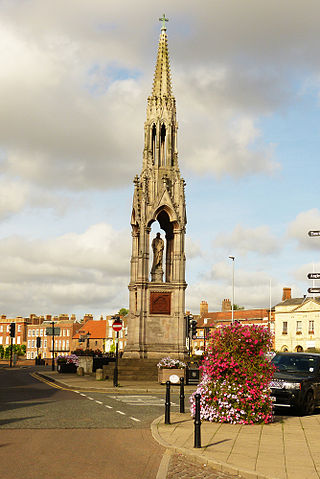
(182,395)
(167,405)
(197,423)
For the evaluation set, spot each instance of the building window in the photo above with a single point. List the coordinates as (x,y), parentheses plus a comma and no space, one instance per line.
(1,339)
(33,332)
(285,327)
(299,327)
(110,332)
(1,329)
(311,327)
(8,328)
(28,355)
(18,340)
(41,332)
(64,332)
(45,343)
(37,332)
(68,332)
(29,342)
(67,345)
(32,343)
(19,328)
(29,332)
(32,354)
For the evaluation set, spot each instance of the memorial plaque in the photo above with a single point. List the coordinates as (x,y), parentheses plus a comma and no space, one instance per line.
(160,303)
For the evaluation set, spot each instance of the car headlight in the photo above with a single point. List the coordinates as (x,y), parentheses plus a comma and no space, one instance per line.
(288,385)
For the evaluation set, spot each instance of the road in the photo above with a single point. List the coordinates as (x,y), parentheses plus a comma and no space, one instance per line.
(50,433)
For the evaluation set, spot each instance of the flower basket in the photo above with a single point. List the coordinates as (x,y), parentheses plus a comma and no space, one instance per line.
(172,370)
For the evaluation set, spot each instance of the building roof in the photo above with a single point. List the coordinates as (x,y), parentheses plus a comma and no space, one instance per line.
(297,301)
(238,314)
(97,329)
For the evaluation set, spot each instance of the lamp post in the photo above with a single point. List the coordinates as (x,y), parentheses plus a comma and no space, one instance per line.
(232,306)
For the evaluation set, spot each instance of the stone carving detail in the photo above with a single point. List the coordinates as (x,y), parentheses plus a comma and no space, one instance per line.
(157,247)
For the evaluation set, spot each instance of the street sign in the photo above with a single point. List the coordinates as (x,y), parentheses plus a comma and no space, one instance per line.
(117,325)
(50,332)
(314,233)
(313,276)
(314,290)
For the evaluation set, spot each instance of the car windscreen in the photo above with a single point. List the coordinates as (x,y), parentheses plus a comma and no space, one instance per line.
(296,364)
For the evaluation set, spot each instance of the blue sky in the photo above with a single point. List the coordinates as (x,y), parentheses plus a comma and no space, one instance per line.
(73,88)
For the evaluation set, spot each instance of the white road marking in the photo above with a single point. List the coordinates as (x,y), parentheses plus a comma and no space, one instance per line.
(135,419)
(99,402)
(83,395)
(120,412)
(91,399)
(142,400)
(109,407)
(77,392)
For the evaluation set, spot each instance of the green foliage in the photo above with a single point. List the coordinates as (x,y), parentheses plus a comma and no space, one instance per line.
(1,351)
(123,312)
(236,307)
(113,348)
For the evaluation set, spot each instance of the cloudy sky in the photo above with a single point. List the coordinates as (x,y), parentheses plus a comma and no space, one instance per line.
(74,80)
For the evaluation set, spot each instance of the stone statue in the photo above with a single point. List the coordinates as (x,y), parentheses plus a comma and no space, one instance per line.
(157,247)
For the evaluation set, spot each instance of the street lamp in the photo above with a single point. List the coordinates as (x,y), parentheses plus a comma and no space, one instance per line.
(232,306)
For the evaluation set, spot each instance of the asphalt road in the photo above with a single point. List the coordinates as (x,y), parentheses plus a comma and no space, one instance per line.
(49,433)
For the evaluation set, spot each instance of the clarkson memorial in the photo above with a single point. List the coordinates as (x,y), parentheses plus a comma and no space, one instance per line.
(156,324)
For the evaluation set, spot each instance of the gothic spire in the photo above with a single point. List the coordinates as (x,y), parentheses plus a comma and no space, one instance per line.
(162,80)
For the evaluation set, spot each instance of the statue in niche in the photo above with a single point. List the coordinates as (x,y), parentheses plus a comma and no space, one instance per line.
(157,247)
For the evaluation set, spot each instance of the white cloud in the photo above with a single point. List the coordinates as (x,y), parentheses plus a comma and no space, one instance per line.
(72,271)
(304,222)
(247,240)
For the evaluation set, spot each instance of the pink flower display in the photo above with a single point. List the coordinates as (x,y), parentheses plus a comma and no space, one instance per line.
(236,375)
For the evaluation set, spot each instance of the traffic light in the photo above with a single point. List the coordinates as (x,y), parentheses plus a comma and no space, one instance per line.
(38,342)
(194,328)
(189,319)
(12,330)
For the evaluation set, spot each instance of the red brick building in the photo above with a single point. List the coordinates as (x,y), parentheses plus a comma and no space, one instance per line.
(207,321)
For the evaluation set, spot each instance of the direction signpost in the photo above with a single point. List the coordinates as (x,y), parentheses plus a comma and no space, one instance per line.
(314,233)
(313,276)
(116,326)
(314,290)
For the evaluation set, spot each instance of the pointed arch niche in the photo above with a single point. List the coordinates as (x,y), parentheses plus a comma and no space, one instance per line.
(163,133)
(163,219)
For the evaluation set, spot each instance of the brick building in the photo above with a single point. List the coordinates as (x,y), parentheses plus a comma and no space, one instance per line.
(99,335)
(21,329)
(62,343)
(207,321)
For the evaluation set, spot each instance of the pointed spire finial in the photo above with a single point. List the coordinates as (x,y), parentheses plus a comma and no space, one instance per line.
(163,20)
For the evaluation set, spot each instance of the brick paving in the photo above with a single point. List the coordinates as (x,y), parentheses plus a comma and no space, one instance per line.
(180,467)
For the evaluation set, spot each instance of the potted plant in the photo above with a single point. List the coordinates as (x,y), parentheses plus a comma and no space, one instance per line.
(170,369)
(67,364)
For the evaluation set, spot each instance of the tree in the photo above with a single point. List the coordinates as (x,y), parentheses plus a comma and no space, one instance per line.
(123,312)
(236,376)
(1,351)
(236,307)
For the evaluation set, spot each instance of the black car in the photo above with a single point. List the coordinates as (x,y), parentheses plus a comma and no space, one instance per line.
(296,381)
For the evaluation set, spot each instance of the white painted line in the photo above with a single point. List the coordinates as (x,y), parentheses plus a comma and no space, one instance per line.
(120,412)
(82,395)
(77,392)
(99,402)
(91,399)
(109,407)
(134,419)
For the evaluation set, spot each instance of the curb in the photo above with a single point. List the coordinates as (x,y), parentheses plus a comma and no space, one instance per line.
(109,390)
(196,457)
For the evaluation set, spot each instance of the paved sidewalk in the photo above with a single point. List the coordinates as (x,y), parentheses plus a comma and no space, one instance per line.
(286,449)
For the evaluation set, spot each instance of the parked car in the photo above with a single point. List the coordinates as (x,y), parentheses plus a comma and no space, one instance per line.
(296,381)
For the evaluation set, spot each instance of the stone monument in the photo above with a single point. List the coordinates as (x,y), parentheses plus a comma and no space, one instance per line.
(156,324)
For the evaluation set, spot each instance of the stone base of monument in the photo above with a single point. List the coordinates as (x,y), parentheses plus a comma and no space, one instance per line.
(133,370)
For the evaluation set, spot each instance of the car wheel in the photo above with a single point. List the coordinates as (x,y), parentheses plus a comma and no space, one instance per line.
(308,404)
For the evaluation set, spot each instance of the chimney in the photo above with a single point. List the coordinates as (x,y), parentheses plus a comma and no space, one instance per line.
(203,307)
(226,305)
(286,294)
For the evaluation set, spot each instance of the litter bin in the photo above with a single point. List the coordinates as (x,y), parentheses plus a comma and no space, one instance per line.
(193,375)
